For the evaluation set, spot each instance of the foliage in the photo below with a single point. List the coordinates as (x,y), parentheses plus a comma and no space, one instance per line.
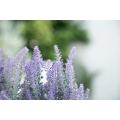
(46,33)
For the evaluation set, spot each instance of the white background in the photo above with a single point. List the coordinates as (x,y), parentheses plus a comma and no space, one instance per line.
(102,55)
(59,110)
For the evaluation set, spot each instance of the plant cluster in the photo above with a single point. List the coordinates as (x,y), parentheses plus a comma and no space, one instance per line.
(22,78)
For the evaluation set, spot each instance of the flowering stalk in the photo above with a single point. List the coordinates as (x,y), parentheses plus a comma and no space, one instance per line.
(36,78)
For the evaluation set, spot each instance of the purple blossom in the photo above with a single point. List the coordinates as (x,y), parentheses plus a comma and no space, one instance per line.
(2,58)
(70,76)
(52,81)
(14,71)
(36,78)
(4,95)
(60,71)
(33,70)
(58,55)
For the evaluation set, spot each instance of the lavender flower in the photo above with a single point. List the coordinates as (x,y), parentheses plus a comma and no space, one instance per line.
(52,81)
(4,95)
(61,74)
(2,57)
(33,71)
(70,76)
(14,71)
(36,78)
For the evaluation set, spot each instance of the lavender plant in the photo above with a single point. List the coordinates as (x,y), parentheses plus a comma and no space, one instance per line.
(37,79)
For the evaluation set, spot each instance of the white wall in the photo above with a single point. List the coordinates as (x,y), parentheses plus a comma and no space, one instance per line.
(103,55)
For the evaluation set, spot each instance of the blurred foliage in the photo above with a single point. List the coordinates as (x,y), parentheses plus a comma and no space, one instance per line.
(46,33)
(82,75)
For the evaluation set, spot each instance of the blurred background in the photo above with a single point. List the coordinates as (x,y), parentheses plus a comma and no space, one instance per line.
(97,62)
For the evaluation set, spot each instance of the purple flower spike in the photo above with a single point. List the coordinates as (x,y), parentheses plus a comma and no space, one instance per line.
(81,92)
(35,78)
(87,93)
(57,53)
(4,96)
(61,74)
(37,57)
(52,81)
(2,60)
(70,75)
